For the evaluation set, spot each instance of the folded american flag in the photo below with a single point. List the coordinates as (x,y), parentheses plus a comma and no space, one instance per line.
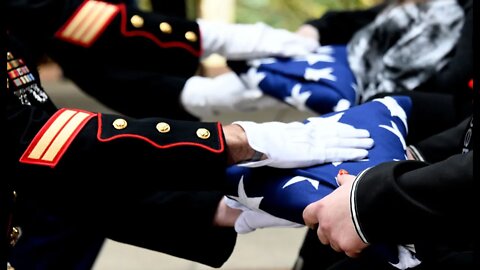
(284,193)
(321,82)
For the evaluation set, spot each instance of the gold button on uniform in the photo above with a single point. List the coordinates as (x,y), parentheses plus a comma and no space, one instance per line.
(165,28)
(191,36)
(163,127)
(15,235)
(203,133)
(136,21)
(119,123)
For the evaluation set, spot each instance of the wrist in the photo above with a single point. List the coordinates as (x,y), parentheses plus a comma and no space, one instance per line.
(238,149)
(225,216)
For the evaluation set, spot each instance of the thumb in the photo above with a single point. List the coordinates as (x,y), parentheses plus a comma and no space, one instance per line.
(344,177)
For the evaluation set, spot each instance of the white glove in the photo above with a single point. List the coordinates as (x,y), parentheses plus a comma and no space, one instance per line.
(252,219)
(206,97)
(248,41)
(406,257)
(293,145)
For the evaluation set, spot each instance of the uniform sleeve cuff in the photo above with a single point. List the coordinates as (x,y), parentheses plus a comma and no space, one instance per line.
(416,153)
(353,206)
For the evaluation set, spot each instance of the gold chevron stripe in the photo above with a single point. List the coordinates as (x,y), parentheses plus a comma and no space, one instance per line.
(88,22)
(63,136)
(50,134)
(107,13)
(54,138)
(77,20)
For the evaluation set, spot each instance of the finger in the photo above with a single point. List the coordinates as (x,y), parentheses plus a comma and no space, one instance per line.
(343,154)
(309,216)
(322,237)
(352,254)
(341,176)
(351,132)
(350,142)
(335,247)
(252,94)
(340,130)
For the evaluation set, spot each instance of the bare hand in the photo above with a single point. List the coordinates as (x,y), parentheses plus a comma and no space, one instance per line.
(308,31)
(333,216)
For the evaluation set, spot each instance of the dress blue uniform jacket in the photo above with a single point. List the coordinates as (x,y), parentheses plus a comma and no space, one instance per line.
(64,159)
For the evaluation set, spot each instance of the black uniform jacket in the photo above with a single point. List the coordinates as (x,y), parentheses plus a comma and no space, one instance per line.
(415,201)
(103,175)
(134,62)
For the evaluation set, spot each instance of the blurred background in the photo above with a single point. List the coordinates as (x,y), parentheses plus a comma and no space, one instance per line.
(288,14)
(265,249)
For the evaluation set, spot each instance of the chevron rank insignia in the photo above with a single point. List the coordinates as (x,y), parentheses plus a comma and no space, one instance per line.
(55,137)
(87,23)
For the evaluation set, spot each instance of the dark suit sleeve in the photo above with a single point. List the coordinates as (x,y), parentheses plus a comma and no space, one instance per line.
(338,27)
(404,202)
(446,143)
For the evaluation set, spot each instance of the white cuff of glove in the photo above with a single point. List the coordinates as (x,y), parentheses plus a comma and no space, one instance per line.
(249,41)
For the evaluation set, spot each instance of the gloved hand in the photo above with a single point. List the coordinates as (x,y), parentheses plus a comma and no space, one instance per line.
(206,97)
(249,41)
(252,219)
(295,144)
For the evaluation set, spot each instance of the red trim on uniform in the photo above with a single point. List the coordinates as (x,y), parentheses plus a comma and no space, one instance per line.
(470,83)
(47,143)
(219,128)
(145,34)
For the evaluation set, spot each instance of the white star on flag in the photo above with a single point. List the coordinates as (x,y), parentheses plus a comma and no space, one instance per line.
(324,50)
(298,99)
(314,58)
(342,104)
(297,179)
(250,202)
(252,78)
(258,62)
(312,74)
(337,163)
(395,109)
(395,130)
